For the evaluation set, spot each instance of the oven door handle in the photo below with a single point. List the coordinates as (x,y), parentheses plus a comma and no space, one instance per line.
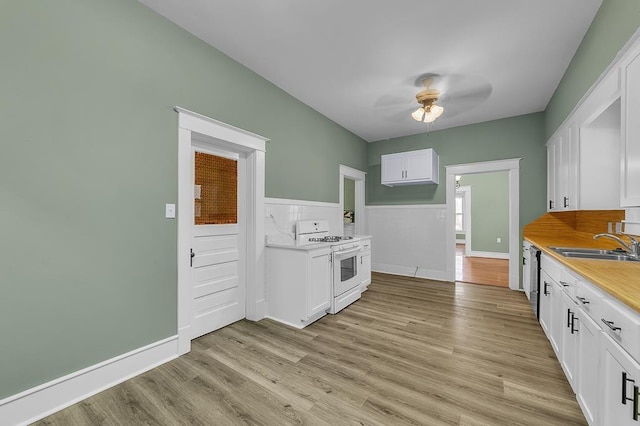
(347,252)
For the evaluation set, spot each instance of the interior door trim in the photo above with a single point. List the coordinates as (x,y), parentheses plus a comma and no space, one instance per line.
(194,127)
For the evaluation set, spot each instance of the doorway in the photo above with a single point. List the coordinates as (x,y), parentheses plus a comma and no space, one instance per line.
(512,169)
(351,190)
(482,228)
(228,257)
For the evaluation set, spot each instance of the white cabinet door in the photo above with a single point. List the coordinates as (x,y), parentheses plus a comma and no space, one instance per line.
(569,350)
(551,176)
(588,371)
(544,315)
(621,376)
(570,156)
(418,165)
(557,318)
(318,283)
(365,269)
(393,168)
(630,147)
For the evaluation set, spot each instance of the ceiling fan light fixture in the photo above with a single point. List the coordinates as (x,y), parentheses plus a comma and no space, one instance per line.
(418,114)
(432,112)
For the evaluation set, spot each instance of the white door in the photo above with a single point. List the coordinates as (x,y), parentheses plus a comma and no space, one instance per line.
(218,285)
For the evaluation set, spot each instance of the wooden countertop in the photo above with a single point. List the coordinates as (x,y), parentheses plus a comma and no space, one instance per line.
(620,279)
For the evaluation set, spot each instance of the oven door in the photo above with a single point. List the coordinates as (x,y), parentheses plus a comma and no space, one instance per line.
(345,270)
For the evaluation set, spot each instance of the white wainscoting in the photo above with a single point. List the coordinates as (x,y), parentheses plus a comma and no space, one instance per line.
(41,401)
(282,214)
(409,240)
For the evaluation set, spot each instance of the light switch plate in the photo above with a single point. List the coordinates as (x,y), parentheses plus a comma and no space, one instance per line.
(170,211)
(498,240)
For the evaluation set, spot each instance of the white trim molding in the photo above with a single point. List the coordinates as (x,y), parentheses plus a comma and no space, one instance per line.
(196,127)
(359,177)
(489,254)
(36,403)
(300,202)
(409,271)
(407,206)
(513,167)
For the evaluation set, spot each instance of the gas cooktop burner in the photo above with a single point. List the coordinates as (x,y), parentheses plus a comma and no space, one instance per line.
(330,239)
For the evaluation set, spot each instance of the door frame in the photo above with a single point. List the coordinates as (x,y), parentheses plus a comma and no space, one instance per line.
(513,167)
(466,191)
(359,177)
(193,126)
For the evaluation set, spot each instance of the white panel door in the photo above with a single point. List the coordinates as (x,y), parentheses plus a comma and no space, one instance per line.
(218,286)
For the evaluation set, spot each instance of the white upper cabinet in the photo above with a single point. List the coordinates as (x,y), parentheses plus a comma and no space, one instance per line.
(410,168)
(562,169)
(583,156)
(630,147)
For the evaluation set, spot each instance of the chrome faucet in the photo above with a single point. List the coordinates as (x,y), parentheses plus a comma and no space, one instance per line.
(632,248)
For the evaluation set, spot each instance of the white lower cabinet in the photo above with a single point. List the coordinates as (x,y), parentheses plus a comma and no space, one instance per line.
(298,284)
(557,318)
(569,353)
(588,350)
(365,268)
(621,378)
(596,339)
(544,313)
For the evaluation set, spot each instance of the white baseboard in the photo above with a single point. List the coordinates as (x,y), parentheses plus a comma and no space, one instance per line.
(36,403)
(261,310)
(489,254)
(461,241)
(409,271)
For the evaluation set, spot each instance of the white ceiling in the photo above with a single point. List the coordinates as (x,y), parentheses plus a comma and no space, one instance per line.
(358,62)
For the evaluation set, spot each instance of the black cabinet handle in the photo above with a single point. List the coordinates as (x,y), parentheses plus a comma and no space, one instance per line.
(546,284)
(524,260)
(566,201)
(564,284)
(550,204)
(192,256)
(583,300)
(636,396)
(625,379)
(573,320)
(569,318)
(610,325)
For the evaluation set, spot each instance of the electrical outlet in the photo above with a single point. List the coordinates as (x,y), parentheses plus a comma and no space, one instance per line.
(498,240)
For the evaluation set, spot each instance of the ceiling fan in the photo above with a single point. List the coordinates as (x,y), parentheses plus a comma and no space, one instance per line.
(446,95)
(427,98)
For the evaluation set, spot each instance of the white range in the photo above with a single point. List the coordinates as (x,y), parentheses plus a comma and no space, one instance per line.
(314,274)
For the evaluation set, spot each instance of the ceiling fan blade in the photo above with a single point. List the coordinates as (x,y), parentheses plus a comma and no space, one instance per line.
(460,101)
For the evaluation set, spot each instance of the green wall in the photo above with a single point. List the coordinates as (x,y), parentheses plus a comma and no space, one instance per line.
(89,158)
(516,137)
(349,194)
(489,211)
(614,24)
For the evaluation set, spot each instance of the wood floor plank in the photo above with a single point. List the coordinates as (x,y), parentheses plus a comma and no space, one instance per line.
(409,352)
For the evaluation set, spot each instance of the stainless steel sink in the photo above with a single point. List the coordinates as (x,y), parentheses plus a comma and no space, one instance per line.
(587,253)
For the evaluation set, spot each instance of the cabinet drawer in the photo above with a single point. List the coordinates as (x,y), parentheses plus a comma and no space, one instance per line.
(568,281)
(551,267)
(623,325)
(591,300)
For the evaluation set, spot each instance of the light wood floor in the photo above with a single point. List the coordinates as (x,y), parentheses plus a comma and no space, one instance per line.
(481,270)
(411,351)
